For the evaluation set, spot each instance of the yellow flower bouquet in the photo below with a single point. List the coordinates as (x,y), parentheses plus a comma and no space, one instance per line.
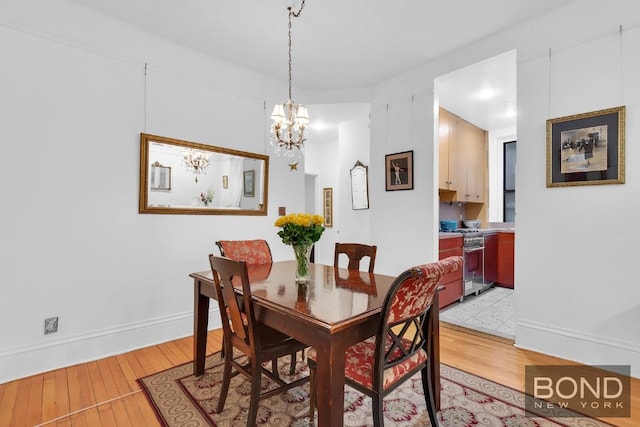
(300,230)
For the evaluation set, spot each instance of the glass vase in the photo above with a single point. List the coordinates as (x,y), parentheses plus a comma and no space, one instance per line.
(302,253)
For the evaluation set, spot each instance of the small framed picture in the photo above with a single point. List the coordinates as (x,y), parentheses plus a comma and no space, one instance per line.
(327,206)
(586,149)
(399,171)
(225,181)
(249,183)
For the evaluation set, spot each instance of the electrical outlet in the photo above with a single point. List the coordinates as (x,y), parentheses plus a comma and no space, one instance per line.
(50,325)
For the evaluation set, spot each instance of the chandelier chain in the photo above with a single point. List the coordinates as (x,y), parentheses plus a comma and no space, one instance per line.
(295,15)
(289,119)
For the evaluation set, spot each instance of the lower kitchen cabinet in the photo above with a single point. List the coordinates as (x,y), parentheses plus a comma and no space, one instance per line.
(505,274)
(452,282)
(490,258)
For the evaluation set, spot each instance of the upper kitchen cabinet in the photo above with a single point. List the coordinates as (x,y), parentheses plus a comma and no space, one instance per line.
(463,160)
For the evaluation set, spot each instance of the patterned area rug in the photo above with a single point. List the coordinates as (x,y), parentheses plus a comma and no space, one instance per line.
(182,400)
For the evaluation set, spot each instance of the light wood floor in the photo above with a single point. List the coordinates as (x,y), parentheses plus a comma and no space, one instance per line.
(105,392)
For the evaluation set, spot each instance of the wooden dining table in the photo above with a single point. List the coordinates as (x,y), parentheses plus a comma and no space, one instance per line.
(334,310)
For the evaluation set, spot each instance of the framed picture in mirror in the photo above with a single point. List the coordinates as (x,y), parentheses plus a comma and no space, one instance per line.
(160,178)
(249,183)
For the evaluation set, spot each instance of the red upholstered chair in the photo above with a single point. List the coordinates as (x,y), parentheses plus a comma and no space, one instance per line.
(355,252)
(400,348)
(252,251)
(257,341)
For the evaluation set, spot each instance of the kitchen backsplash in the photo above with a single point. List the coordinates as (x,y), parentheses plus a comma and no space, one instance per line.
(451,211)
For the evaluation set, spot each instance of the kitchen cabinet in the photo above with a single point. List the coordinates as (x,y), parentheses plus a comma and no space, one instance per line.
(451,283)
(490,258)
(505,275)
(450,154)
(462,149)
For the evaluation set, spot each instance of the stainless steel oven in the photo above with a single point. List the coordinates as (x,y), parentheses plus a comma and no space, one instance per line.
(473,251)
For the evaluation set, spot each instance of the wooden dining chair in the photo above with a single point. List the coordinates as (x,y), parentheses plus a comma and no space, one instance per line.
(355,252)
(257,341)
(400,348)
(254,252)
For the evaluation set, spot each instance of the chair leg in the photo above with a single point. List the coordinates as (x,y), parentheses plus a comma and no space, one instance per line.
(378,407)
(292,368)
(274,367)
(226,380)
(312,390)
(429,395)
(256,380)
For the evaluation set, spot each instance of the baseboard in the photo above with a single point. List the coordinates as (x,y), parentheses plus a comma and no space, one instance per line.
(577,346)
(72,350)
(476,332)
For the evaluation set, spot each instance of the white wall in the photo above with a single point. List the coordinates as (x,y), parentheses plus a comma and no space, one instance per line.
(577,296)
(73,244)
(354,140)
(320,160)
(404,223)
(332,162)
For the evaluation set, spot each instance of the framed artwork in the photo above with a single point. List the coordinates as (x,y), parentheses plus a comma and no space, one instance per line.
(327,206)
(225,181)
(359,186)
(249,183)
(586,149)
(399,171)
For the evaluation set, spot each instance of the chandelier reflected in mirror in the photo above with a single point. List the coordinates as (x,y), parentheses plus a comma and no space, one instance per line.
(195,161)
(290,120)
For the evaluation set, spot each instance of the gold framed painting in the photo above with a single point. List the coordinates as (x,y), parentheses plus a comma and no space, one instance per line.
(586,149)
(327,204)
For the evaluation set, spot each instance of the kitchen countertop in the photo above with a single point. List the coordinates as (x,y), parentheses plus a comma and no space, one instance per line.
(452,234)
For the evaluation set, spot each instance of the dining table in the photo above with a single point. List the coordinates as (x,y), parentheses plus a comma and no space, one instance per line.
(335,309)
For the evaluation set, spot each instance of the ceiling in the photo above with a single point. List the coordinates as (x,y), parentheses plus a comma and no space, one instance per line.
(336,44)
(483,93)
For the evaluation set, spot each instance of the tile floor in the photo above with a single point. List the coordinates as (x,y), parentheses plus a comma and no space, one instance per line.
(492,312)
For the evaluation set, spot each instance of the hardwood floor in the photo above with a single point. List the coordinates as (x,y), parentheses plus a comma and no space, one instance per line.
(105,392)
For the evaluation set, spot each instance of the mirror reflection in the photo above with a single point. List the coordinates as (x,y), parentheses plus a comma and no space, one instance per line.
(182,177)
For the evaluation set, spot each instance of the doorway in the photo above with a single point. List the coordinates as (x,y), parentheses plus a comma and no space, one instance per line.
(484,95)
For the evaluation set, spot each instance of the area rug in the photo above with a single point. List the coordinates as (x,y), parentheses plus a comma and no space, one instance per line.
(182,400)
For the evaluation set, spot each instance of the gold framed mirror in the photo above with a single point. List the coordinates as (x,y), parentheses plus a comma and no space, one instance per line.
(359,186)
(183,177)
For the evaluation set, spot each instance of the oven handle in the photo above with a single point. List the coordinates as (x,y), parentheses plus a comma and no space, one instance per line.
(474,249)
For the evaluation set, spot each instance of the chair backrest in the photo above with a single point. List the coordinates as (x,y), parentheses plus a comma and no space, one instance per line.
(405,310)
(355,252)
(255,251)
(238,318)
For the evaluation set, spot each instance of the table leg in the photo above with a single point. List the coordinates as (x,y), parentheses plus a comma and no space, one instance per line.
(200,325)
(434,357)
(330,386)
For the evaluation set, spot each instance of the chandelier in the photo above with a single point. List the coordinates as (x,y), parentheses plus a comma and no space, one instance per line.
(195,161)
(289,119)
